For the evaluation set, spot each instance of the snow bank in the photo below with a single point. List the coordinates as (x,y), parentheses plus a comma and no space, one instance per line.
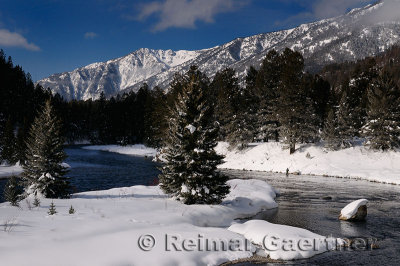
(282,242)
(7,171)
(136,150)
(355,162)
(108,226)
(351,209)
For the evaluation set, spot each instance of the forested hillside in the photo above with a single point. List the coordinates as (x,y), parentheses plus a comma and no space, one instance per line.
(280,101)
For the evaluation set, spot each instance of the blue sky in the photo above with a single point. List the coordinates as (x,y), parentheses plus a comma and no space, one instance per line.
(52,36)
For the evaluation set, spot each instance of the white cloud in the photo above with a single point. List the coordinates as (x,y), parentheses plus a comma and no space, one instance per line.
(329,8)
(388,12)
(321,9)
(13,39)
(185,13)
(90,35)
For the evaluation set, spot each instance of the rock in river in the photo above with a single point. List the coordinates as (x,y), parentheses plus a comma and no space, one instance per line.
(355,211)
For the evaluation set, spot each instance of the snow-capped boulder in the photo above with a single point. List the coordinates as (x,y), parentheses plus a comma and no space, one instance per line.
(282,242)
(355,211)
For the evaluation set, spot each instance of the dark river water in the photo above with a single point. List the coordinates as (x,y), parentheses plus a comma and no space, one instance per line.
(301,202)
(99,170)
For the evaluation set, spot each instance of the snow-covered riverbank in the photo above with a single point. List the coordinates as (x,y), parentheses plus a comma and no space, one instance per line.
(107,225)
(108,228)
(136,150)
(355,162)
(6,171)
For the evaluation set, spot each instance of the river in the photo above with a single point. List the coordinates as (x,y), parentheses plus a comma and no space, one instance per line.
(302,202)
(100,170)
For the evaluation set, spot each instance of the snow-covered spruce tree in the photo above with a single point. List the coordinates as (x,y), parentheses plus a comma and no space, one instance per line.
(12,191)
(52,209)
(43,172)
(295,111)
(346,128)
(382,129)
(266,91)
(190,172)
(241,127)
(226,90)
(330,133)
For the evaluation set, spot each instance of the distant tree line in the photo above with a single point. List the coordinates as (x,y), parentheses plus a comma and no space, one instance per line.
(342,105)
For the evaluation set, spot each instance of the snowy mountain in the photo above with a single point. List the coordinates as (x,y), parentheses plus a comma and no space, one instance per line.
(361,32)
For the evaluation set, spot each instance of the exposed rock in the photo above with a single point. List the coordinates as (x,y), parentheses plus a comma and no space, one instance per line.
(355,211)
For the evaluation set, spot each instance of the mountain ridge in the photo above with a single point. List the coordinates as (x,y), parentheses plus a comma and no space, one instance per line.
(344,38)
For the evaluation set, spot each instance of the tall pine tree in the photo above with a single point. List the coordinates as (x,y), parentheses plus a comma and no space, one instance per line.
(43,172)
(190,172)
(347,125)
(266,92)
(241,127)
(295,111)
(330,134)
(226,88)
(382,129)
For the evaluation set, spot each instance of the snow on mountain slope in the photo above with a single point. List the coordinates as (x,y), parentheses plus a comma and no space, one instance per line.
(352,36)
(114,75)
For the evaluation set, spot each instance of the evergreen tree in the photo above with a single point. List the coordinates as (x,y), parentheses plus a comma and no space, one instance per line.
(156,119)
(295,111)
(20,143)
(347,129)
(267,93)
(8,142)
(12,191)
(36,202)
(319,91)
(240,130)
(71,210)
(52,209)
(226,88)
(251,77)
(43,171)
(382,129)
(330,133)
(2,126)
(190,172)
(352,111)
(142,109)
(102,123)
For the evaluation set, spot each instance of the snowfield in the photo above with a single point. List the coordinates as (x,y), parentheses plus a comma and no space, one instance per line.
(355,162)
(136,150)
(7,171)
(107,226)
